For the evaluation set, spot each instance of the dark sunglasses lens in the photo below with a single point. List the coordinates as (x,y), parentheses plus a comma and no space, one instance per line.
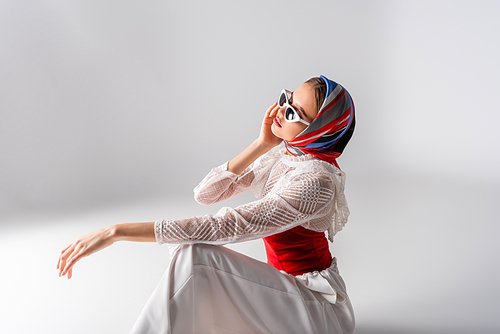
(289,114)
(282,100)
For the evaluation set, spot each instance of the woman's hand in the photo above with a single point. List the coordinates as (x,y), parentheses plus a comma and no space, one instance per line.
(267,137)
(266,141)
(83,247)
(95,241)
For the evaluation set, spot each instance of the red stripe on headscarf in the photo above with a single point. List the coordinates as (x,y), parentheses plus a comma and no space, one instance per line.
(311,137)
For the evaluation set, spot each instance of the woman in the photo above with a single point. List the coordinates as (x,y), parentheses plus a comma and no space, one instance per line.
(300,190)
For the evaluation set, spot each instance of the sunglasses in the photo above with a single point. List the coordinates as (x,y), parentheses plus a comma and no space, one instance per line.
(291,115)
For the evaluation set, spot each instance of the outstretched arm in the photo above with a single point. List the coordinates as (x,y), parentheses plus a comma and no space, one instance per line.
(144,232)
(98,240)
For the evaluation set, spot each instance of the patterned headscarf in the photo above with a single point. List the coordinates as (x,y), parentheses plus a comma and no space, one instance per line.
(328,134)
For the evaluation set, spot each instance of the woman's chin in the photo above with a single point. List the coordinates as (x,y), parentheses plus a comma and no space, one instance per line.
(273,129)
(276,131)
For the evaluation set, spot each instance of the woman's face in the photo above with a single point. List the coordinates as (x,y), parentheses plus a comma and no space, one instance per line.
(303,101)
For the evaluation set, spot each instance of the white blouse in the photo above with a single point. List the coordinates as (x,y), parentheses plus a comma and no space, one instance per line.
(290,191)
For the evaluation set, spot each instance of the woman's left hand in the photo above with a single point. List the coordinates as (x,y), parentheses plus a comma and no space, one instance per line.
(83,247)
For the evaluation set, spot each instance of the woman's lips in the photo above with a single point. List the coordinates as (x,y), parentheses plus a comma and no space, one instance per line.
(276,122)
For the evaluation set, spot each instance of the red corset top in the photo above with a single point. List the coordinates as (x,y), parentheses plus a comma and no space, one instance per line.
(298,251)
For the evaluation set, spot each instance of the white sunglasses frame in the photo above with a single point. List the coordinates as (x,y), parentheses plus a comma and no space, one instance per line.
(287,104)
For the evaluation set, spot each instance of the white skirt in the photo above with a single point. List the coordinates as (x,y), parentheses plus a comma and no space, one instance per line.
(212,289)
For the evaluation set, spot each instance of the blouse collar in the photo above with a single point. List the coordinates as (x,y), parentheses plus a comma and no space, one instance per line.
(293,160)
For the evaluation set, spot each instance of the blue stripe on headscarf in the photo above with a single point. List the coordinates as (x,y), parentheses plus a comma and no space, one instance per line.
(326,144)
(330,85)
(321,145)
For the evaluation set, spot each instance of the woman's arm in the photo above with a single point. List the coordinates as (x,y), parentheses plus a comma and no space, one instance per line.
(237,175)
(265,142)
(98,240)
(308,197)
(144,232)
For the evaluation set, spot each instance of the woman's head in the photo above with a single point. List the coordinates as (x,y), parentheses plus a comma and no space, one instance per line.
(329,110)
(306,101)
(297,110)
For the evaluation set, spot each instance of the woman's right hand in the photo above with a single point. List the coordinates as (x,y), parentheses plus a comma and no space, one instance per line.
(267,137)
(83,247)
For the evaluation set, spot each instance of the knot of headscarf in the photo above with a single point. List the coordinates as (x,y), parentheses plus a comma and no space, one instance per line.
(331,129)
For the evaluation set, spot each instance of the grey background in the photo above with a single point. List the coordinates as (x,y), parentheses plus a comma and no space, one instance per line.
(113,111)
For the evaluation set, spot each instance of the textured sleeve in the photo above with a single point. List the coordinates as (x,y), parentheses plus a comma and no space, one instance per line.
(308,196)
(220,184)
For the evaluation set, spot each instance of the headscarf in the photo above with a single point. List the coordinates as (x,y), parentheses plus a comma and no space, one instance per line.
(331,129)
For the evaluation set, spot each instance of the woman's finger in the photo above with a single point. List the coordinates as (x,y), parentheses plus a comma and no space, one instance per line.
(61,264)
(275,110)
(71,262)
(270,109)
(60,255)
(63,259)
(65,249)
(80,251)
(75,256)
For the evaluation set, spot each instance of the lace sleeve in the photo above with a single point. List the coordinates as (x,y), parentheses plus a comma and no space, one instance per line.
(220,184)
(307,197)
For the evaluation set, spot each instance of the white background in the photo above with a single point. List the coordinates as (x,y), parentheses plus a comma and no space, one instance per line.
(112,111)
